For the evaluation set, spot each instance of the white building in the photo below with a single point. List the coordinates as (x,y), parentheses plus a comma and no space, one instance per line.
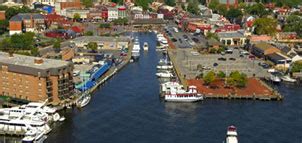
(112,14)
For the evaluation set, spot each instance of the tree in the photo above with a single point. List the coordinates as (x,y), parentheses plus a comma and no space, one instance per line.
(143,3)
(233,13)
(120,2)
(221,74)
(88,33)
(213,4)
(209,77)
(238,79)
(3,26)
(10,12)
(265,26)
(87,3)
(257,9)
(92,46)
(294,24)
(296,67)
(105,25)
(193,7)
(170,2)
(57,45)
(76,17)
(221,9)
(6,45)
(22,41)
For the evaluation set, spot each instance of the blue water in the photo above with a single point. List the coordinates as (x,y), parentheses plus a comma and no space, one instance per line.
(127,109)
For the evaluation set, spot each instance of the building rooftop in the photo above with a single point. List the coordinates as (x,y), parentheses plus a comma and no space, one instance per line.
(231,34)
(26,16)
(32,65)
(263,46)
(101,39)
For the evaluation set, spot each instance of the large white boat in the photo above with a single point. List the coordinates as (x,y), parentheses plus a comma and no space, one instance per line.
(32,116)
(164,74)
(180,95)
(231,136)
(135,50)
(146,47)
(33,136)
(84,100)
(288,79)
(168,86)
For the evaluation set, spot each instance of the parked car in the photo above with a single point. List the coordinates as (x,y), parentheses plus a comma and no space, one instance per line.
(180,40)
(215,64)
(195,40)
(232,59)
(222,59)
(185,36)
(174,40)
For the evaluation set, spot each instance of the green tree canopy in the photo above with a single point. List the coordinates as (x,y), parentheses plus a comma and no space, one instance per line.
(88,33)
(143,3)
(265,26)
(105,25)
(221,74)
(76,16)
(213,4)
(120,2)
(296,67)
(237,79)
(193,7)
(87,3)
(57,44)
(257,9)
(233,13)
(92,46)
(170,2)
(3,26)
(209,77)
(294,24)
(23,41)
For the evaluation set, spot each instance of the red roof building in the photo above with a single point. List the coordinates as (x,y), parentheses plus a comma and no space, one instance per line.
(228,27)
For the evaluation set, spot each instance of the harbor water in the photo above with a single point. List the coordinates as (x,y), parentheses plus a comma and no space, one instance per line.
(128,109)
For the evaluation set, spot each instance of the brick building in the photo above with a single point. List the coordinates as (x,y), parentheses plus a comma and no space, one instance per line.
(35,79)
(26,22)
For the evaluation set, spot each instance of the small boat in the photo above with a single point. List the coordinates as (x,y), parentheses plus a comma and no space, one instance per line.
(155,31)
(288,79)
(62,119)
(231,136)
(180,95)
(275,79)
(86,99)
(33,136)
(164,67)
(164,74)
(146,46)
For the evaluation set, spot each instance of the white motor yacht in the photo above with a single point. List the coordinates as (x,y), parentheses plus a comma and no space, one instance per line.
(165,74)
(288,79)
(33,136)
(231,136)
(180,95)
(136,50)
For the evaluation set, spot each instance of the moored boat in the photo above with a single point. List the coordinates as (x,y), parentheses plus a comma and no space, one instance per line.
(288,79)
(180,95)
(164,74)
(33,136)
(135,50)
(275,79)
(231,136)
(146,47)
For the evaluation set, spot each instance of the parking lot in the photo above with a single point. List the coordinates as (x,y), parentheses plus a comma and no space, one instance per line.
(183,39)
(188,60)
